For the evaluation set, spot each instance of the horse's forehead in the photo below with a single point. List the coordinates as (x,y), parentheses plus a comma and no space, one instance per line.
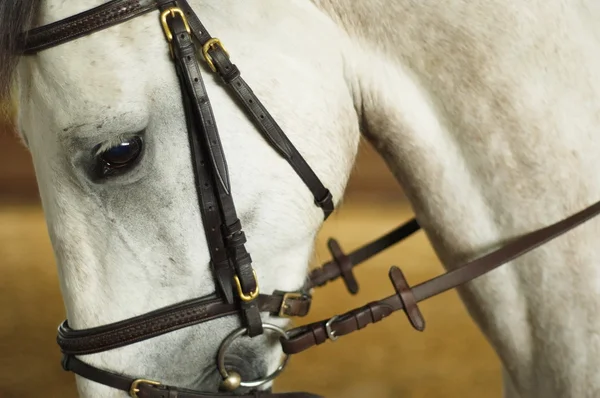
(127,69)
(101,74)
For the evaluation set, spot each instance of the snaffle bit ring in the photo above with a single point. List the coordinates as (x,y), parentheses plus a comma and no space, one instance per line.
(232,380)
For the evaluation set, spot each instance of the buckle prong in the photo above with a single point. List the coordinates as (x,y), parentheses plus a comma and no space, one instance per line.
(246,297)
(284,306)
(207,47)
(172,12)
(135,386)
(329,330)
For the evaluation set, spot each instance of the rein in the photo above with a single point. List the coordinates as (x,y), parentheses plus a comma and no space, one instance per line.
(235,278)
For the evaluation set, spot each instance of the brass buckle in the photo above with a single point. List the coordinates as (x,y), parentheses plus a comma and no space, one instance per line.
(172,12)
(134,389)
(243,296)
(284,306)
(207,47)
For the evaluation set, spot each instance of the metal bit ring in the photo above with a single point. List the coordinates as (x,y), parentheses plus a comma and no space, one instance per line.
(239,333)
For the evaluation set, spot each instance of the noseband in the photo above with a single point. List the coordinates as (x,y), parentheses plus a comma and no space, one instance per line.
(237,287)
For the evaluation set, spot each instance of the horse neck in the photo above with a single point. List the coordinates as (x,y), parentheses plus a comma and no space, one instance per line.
(486,114)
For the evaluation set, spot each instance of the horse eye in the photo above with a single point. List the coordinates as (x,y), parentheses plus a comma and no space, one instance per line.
(120,157)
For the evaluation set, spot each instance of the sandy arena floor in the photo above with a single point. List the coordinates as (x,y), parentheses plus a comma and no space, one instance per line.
(389,359)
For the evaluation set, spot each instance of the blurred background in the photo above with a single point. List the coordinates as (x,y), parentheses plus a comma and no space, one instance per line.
(389,359)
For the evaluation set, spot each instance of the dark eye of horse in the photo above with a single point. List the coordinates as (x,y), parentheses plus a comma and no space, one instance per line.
(120,157)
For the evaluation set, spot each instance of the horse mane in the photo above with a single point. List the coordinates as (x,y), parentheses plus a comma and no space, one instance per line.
(16,16)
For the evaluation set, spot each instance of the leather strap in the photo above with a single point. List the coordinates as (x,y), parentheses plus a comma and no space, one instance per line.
(406,298)
(207,198)
(342,264)
(93,20)
(290,304)
(204,128)
(265,123)
(294,304)
(168,319)
(146,390)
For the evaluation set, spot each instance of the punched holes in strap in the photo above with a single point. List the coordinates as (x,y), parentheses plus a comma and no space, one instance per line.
(345,265)
(229,230)
(408,299)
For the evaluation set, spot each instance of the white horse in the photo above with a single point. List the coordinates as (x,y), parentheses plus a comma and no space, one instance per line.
(487,112)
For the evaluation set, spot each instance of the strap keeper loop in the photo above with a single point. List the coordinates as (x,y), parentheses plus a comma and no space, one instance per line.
(65,362)
(229,230)
(326,203)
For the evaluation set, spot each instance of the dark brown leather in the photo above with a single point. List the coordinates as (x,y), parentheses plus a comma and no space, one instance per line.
(265,123)
(93,20)
(405,294)
(168,319)
(341,263)
(206,191)
(162,391)
(308,336)
(344,265)
(203,126)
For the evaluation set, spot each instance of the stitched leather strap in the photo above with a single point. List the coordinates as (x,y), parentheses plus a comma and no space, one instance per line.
(316,333)
(77,342)
(201,310)
(93,20)
(146,390)
(168,319)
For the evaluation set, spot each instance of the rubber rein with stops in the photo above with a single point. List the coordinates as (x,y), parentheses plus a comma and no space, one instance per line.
(235,278)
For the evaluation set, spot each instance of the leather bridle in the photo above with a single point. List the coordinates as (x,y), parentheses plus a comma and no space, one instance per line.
(237,287)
